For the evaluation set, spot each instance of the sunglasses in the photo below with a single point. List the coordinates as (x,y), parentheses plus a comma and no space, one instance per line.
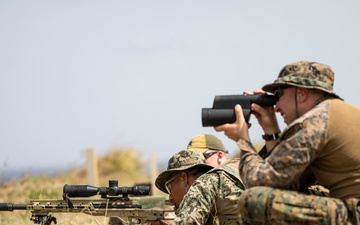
(209,154)
(168,183)
(280,91)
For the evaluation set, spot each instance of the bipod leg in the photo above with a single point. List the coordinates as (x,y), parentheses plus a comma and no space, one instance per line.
(43,219)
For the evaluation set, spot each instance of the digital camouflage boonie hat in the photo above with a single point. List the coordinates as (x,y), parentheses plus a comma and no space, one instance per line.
(305,74)
(204,142)
(181,161)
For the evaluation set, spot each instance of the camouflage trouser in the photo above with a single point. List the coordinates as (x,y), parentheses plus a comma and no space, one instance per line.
(264,205)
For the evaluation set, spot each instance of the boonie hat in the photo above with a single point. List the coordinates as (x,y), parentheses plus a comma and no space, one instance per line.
(204,142)
(181,161)
(305,74)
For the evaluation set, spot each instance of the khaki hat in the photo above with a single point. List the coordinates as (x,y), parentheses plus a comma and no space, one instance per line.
(305,75)
(204,142)
(181,161)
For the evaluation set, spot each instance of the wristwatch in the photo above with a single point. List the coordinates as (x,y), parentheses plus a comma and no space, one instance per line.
(271,137)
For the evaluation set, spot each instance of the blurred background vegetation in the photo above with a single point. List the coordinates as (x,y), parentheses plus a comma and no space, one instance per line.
(124,165)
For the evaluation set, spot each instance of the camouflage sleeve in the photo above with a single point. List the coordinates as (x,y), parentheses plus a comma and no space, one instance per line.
(196,206)
(298,147)
(305,180)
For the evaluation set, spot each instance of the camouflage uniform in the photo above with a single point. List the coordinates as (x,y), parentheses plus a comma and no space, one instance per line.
(205,142)
(323,141)
(212,198)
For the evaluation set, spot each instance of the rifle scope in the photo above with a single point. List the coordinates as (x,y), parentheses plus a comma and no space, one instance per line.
(112,190)
(223,108)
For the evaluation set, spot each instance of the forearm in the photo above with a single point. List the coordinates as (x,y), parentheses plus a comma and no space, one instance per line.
(256,171)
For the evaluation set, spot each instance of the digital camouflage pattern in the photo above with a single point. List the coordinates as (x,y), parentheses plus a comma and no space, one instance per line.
(316,141)
(183,160)
(306,75)
(231,166)
(212,199)
(265,205)
(289,159)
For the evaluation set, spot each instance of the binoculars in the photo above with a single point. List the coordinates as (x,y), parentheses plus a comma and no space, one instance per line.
(223,108)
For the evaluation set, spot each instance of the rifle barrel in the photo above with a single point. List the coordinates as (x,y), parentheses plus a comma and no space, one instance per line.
(9,206)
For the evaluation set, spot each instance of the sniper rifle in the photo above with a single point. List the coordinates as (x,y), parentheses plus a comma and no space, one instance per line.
(75,200)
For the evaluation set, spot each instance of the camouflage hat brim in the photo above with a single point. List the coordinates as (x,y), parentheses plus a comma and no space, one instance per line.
(166,175)
(272,87)
(303,74)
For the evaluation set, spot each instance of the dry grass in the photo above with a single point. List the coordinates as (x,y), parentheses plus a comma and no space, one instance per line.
(123,165)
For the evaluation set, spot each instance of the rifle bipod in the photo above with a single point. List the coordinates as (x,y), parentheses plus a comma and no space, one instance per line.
(43,219)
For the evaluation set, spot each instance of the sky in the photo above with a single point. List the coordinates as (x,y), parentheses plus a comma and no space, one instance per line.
(135,74)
